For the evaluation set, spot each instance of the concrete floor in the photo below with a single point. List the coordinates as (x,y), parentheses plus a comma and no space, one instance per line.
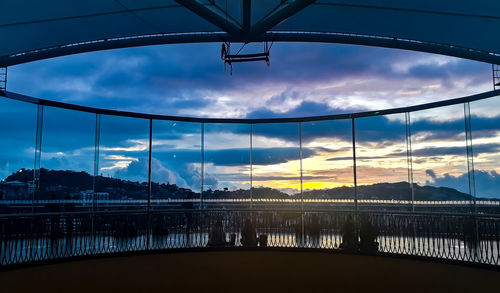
(250,271)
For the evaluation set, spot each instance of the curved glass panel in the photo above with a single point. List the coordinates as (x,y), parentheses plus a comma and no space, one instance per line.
(485,124)
(276,163)
(176,164)
(440,158)
(67,159)
(295,165)
(381,162)
(226,165)
(123,162)
(17,139)
(327,164)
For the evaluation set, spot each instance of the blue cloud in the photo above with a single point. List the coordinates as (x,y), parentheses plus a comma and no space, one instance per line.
(303,110)
(171,79)
(168,79)
(487,182)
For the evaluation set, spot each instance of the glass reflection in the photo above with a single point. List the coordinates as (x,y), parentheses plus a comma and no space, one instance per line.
(176,163)
(485,124)
(227,163)
(381,160)
(123,162)
(327,164)
(67,159)
(18,132)
(439,154)
(276,161)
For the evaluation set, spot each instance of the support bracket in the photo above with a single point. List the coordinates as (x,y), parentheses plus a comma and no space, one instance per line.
(496,76)
(3,78)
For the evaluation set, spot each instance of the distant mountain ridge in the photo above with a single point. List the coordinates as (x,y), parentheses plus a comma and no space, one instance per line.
(390,191)
(63,181)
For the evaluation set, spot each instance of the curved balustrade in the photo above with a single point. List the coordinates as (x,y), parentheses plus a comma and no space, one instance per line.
(39,237)
(80,181)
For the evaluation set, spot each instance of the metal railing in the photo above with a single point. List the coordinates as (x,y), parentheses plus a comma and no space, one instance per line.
(457,237)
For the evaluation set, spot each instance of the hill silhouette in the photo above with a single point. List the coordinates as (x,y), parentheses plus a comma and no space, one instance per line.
(389,191)
(64,181)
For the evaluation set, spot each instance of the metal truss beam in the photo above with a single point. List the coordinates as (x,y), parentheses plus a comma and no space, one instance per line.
(279,15)
(3,78)
(211,16)
(496,76)
(247,14)
(24,98)
(276,36)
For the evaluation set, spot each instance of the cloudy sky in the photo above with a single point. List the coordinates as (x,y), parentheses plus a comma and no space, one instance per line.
(303,80)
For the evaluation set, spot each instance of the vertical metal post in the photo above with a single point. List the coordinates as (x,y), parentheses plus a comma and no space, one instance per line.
(38,155)
(35,188)
(493,75)
(148,218)
(409,159)
(470,157)
(300,153)
(251,166)
(202,162)
(354,167)
(97,139)
(301,189)
(475,247)
(150,161)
